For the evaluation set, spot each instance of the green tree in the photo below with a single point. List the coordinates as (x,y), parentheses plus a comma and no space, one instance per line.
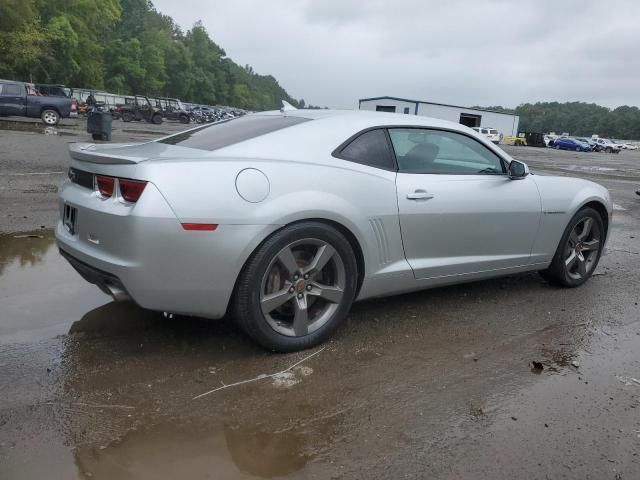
(125,46)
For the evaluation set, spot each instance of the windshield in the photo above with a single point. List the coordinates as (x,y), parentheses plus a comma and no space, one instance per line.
(229,132)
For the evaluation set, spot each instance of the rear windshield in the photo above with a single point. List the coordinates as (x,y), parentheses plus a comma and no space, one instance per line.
(223,134)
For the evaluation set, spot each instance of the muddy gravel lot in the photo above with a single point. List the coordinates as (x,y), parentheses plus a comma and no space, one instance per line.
(509,378)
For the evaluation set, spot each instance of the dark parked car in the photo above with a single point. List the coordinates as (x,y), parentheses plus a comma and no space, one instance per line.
(567,143)
(23,100)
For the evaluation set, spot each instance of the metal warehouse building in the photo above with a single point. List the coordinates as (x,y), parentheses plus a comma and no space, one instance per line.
(505,123)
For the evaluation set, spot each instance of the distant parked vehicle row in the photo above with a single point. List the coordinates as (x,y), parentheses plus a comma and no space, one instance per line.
(584,144)
(51,102)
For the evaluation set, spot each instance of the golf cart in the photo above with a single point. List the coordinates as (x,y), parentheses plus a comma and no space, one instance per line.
(139,108)
(172,109)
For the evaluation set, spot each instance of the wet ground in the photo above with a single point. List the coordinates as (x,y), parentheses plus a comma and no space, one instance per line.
(438,384)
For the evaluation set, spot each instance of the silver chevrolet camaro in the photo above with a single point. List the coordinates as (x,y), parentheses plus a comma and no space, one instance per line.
(285,218)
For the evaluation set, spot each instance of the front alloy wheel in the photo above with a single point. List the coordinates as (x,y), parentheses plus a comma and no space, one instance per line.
(579,251)
(582,249)
(297,287)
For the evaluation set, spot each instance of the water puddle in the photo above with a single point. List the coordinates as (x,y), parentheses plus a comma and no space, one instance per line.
(59,131)
(229,451)
(40,294)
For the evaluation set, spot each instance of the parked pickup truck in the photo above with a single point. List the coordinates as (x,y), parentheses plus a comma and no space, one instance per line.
(22,99)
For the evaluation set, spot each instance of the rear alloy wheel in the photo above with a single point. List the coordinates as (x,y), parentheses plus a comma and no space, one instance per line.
(579,250)
(50,117)
(297,288)
(578,149)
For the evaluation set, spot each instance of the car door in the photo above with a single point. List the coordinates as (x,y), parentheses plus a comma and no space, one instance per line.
(459,211)
(12,99)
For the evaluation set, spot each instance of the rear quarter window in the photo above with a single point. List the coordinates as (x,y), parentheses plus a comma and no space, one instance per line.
(222,134)
(369,148)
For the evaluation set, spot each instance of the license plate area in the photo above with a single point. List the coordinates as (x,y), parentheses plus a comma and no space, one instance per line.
(69,218)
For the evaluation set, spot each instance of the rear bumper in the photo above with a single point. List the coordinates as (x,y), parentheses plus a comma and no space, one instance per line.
(109,284)
(142,252)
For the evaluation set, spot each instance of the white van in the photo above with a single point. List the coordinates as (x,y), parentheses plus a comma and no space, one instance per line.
(491,133)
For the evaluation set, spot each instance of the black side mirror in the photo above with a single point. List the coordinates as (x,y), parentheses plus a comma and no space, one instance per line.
(518,170)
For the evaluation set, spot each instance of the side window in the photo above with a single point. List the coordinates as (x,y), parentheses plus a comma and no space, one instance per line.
(371,148)
(434,151)
(11,90)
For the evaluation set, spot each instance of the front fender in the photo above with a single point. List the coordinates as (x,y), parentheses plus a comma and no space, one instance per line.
(561,199)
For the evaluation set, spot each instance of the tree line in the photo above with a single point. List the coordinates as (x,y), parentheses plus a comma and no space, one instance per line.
(577,118)
(126,47)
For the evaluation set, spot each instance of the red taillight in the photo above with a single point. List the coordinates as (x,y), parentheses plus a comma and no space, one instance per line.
(131,189)
(105,185)
(74,104)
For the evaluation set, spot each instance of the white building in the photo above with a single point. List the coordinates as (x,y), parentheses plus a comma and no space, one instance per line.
(505,123)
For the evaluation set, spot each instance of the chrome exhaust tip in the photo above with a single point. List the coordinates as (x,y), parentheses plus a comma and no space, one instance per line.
(118,294)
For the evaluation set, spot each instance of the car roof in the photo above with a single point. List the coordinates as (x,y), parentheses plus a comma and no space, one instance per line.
(368,118)
(328,130)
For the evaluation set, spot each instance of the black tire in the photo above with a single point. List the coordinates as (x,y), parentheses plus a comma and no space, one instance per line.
(96,136)
(578,149)
(608,150)
(127,117)
(156,119)
(184,119)
(246,304)
(50,117)
(557,147)
(558,272)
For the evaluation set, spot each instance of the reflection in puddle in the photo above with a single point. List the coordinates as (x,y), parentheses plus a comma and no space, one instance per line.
(26,249)
(223,451)
(36,128)
(41,295)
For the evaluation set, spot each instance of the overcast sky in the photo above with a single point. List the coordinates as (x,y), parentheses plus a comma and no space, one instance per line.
(482,52)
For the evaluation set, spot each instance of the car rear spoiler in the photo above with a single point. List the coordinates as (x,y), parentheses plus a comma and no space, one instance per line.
(89,152)
(131,154)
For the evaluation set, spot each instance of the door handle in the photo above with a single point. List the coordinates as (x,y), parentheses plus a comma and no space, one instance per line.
(420,195)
